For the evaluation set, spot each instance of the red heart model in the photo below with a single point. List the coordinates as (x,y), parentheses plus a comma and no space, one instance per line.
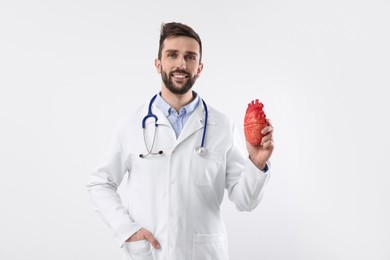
(254,122)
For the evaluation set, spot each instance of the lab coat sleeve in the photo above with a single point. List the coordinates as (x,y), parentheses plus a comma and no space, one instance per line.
(102,186)
(244,181)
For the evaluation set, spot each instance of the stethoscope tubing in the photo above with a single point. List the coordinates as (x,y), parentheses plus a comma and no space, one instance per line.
(206,115)
(150,114)
(200,149)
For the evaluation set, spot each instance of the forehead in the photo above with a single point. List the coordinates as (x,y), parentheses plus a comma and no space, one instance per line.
(181,43)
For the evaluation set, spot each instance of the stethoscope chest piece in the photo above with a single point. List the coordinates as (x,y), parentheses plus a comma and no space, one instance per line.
(200,150)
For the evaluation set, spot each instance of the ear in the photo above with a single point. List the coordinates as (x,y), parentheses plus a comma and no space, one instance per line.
(157,64)
(199,70)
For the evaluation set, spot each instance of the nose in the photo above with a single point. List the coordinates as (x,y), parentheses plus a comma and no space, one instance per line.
(181,63)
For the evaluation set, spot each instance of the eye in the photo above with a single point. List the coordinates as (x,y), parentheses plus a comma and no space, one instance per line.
(191,57)
(172,55)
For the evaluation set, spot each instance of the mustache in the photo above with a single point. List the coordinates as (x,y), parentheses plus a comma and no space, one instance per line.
(179,71)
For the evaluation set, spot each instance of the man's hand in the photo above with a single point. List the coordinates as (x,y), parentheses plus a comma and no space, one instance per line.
(261,153)
(144,234)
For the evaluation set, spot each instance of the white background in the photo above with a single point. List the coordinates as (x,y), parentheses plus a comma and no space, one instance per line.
(69,69)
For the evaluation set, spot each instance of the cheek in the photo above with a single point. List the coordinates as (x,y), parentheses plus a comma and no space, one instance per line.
(166,66)
(193,69)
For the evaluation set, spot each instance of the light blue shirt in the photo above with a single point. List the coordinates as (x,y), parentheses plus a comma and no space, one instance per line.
(177,119)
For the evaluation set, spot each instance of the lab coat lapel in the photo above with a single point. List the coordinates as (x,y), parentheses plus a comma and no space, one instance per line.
(195,123)
(162,119)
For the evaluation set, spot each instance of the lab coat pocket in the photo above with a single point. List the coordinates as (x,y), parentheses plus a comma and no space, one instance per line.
(140,250)
(210,247)
(205,167)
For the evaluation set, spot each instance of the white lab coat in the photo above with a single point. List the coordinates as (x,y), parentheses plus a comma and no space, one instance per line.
(176,195)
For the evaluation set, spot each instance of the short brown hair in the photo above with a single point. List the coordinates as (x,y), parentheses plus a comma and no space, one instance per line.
(177,29)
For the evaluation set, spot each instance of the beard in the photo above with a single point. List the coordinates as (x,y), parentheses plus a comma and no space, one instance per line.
(168,82)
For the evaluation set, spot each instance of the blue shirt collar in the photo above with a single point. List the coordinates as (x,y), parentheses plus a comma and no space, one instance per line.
(186,110)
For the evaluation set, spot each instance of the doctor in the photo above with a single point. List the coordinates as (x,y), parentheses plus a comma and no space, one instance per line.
(180,159)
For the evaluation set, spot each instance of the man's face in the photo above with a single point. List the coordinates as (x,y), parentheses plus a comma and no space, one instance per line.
(179,65)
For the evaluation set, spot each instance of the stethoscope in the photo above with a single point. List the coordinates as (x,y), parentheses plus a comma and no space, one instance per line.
(199,149)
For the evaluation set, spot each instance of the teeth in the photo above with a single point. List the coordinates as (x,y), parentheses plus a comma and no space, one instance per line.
(179,76)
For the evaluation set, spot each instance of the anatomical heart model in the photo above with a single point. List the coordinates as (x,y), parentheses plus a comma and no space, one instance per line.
(254,122)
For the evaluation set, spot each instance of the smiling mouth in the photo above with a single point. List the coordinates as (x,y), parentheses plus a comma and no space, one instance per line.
(179,76)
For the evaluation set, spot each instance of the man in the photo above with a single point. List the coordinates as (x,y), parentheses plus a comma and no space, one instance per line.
(179,163)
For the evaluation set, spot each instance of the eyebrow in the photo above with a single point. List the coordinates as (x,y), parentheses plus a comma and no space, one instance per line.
(187,52)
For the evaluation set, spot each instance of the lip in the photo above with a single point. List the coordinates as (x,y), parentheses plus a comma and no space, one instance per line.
(179,76)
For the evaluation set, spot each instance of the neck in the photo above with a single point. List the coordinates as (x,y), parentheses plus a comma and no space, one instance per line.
(176,101)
